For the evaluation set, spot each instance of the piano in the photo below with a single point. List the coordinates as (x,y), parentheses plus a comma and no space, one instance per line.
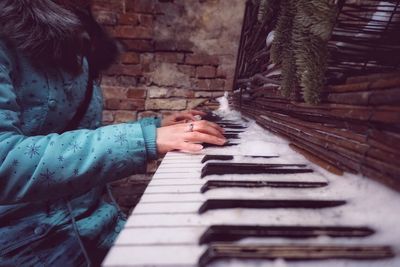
(256,202)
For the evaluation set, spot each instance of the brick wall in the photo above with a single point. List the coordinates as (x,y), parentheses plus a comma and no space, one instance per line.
(178,54)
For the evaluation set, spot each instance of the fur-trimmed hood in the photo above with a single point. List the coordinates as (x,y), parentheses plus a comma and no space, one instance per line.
(56,32)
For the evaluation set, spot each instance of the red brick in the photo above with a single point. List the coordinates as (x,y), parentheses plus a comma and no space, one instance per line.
(130,58)
(228,84)
(166,113)
(105,17)
(131,32)
(136,93)
(217,84)
(188,70)
(169,57)
(108,80)
(108,116)
(165,45)
(114,91)
(128,19)
(161,92)
(147,60)
(197,59)
(221,73)
(125,104)
(141,6)
(200,84)
(208,94)
(184,46)
(173,45)
(194,103)
(170,9)
(208,84)
(115,5)
(120,80)
(146,20)
(123,80)
(124,116)
(205,72)
(129,70)
(139,45)
(170,104)
(147,114)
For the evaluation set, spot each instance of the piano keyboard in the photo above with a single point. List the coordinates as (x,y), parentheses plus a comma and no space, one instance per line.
(242,205)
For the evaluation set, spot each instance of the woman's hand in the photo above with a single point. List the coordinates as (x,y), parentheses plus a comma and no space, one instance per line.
(188,136)
(181,117)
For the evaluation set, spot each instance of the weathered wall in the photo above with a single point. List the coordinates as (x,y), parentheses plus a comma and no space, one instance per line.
(179,54)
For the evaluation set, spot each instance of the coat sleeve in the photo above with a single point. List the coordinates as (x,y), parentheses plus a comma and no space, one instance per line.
(39,168)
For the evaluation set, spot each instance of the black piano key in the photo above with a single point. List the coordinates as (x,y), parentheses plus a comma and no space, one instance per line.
(231,136)
(233,132)
(216,157)
(232,126)
(214,184)
(230,157)
(206,145)
(252,168)
(231,233)
(227,121)
(223,251)
(213,204)
(210,116)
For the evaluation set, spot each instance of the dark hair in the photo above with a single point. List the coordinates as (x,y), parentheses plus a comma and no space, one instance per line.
(57,33)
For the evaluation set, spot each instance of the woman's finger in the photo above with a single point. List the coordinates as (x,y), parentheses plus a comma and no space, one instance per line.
(198,137)
(190,147)
(207,129)
(197,112)
(206,124)
(185,116)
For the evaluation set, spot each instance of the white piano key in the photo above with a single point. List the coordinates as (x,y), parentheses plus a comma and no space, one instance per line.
(252,177)
(298,177)
(181,155)
(225,192)
(242,216)
(176,166)
(146,236)
(295,177)
(160,235)
(182,160)
(171,194)
(182,169)
(193,175)
(167,207)
(151,198)
(172,181)
(172,206)
(172,189)
(153,256)
(165,220)
(265,193)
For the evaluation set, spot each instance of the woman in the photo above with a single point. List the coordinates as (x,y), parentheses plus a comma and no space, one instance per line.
(55,157)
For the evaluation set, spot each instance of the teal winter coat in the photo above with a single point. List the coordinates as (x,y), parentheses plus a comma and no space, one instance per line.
(51,208)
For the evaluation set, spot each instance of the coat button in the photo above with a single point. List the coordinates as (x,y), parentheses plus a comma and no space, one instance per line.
(39,230)
(52,103)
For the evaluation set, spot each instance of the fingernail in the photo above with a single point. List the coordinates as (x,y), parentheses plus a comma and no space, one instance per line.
(199,147)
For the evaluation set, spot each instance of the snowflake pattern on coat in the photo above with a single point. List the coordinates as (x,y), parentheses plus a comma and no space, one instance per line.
(41,170)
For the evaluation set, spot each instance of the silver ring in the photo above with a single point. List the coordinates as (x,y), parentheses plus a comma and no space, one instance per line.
(191,126)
